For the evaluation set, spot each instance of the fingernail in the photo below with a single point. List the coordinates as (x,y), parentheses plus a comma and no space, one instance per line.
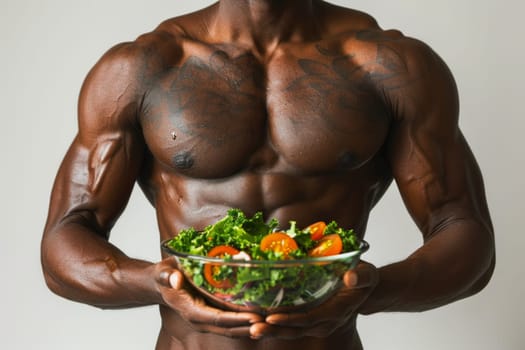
(174,280)
(351,279)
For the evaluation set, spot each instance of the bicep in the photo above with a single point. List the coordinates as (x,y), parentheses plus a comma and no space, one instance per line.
(99,170)
(438,179)
(432,164)
(96,180)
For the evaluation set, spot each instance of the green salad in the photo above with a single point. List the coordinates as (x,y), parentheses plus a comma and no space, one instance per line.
(255,282)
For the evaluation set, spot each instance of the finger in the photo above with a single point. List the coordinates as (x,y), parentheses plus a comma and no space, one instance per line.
(326,314)
(363,276)
(231,332)
(334,310)
(197,311)
(209,315)
(265,330)
(262,330)
(296,319)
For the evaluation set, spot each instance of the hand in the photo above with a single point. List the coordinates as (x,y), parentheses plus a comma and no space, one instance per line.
(326,318)
(204,318)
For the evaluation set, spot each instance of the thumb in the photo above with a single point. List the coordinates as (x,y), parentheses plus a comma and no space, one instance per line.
(364,275)
(169,277)
(176,279)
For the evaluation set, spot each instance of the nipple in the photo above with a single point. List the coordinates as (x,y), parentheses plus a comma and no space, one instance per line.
(183,160)
(348,160)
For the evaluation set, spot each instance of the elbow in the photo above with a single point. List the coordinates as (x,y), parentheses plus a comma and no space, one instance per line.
(483,279)
(63,286)
(482,262)
(46,265)
(56,270)
(71,278)
(52,279)
(53,284)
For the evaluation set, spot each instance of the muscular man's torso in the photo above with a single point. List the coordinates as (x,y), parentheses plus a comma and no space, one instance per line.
(299,135)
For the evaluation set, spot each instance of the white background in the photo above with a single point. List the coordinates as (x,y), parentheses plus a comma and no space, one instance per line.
(48,46)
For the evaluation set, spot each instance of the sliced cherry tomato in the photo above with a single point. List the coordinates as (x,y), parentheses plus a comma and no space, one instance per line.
(316,230)
(211,270)
(328,245)
(279,242)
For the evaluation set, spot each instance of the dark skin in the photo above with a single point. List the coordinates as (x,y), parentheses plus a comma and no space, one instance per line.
(299,109)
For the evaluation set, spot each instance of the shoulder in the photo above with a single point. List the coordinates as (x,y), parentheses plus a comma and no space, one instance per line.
(339,20)
(133,64)
(141,57)
(114,87)
(189,26)
(406,72)
(362,32)
(394,60)
(415,82)
(151,51)
(393,47)
(119,80)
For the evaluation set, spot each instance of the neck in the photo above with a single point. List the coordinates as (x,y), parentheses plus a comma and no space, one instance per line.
(263,24)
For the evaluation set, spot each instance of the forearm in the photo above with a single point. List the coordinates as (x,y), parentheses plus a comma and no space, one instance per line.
(81,265)
(453,264)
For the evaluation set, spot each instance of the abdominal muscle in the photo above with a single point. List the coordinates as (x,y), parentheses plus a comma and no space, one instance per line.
(181,202)
(177,334)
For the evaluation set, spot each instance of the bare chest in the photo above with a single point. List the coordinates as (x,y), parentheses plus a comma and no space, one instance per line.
(217,114)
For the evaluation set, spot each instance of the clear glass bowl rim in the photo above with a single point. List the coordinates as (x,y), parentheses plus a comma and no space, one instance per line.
(363,247)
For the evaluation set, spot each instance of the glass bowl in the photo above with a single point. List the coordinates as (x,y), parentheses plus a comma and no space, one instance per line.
(267,286)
